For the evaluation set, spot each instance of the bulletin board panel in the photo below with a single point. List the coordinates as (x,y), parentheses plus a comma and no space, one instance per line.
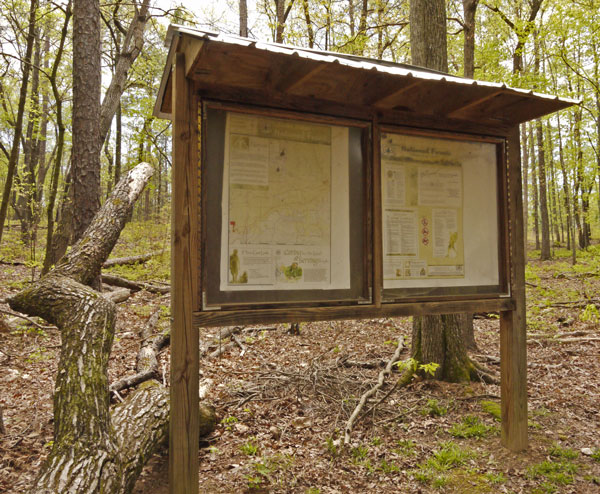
(285,201)
(443,215)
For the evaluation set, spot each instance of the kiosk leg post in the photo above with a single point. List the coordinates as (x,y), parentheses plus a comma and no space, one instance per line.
(184,423)
(513,332)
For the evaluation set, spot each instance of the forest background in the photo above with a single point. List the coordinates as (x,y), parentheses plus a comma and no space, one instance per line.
(547,46)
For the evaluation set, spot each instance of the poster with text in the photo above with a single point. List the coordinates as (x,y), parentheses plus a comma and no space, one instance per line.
(440,216)
(285,205)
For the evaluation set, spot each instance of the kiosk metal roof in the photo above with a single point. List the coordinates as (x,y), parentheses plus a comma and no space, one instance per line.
(220,62)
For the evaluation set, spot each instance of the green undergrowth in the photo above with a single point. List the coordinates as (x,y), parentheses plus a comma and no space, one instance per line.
(556,472)
(471,426)
(492,408)
(139,238)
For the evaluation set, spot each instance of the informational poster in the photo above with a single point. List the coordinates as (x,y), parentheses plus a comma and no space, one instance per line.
(440,223)
(285,205)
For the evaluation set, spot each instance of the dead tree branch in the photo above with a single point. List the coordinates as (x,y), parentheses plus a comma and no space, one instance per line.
(135,286)
(365,397)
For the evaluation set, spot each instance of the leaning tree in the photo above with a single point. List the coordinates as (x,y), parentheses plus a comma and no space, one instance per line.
(96,449)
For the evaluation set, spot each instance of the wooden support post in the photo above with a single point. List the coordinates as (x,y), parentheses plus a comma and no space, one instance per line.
(183,427)
(513,345)
(377,216)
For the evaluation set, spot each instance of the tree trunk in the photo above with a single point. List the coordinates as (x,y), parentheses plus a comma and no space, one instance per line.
(118,142)
(554,203)
(469,10)
(279,19)
(25,203)
(94,449)
(545,251)
(439,339)
(49,259)
(243,18)
(525,151)
(310,33)
(428,45)
(86,113)
(534,178)
(14,152)
(129,51)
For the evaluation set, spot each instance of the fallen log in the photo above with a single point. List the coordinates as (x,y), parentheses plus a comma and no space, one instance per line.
(120,261)
(135,286)
(118,296)
(94,449)
(147,358)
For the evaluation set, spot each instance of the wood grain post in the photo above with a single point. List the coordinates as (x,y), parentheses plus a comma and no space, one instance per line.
(183,426)
(377,216)
(513,344)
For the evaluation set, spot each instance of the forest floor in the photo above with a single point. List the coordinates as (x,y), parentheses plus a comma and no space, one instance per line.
(283,400)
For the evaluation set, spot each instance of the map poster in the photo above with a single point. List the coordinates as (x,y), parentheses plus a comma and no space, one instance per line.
(422,181)
(285,205)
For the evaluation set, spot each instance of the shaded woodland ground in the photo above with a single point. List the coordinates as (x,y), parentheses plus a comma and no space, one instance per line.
(283,400)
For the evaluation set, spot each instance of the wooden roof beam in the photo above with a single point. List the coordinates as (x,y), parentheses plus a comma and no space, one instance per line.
(297,73)
(460,111)
(390,99)
(192,49)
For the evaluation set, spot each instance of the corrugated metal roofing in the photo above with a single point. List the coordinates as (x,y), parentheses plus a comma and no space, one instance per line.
(394,70)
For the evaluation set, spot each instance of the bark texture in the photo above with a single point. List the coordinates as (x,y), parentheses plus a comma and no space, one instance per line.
(131,48)
(94,450)
(428,45)
(439,339)
(469,10)
(86,113)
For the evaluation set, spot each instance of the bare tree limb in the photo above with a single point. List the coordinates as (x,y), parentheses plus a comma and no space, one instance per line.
(365,397)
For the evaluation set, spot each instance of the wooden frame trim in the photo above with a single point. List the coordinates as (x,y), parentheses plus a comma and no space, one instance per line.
(299,314)
(365,297)
(291,102)
(501,186)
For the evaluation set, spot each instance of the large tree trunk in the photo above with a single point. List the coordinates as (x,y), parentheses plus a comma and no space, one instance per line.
(440,339)
(428,45)
(428,49)
(86,113)
(94,450)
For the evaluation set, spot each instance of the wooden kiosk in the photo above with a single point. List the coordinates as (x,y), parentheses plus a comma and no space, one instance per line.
(311,186)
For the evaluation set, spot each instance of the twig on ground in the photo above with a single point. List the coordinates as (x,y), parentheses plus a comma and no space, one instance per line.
(239,343)
(222,349)
(364,398)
